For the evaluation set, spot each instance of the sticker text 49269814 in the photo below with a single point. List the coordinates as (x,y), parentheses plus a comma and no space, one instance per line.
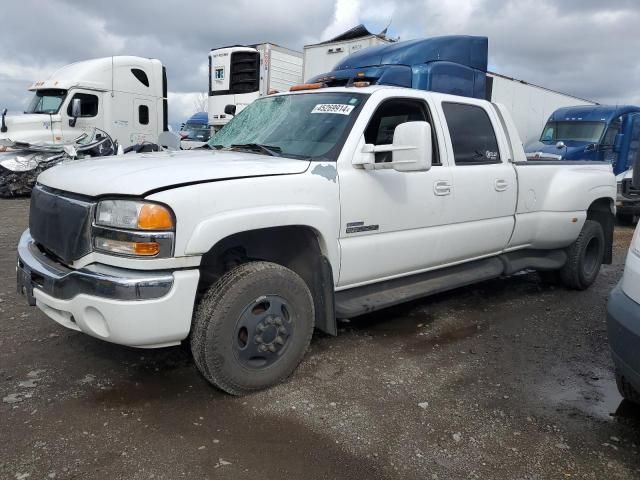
(339,108)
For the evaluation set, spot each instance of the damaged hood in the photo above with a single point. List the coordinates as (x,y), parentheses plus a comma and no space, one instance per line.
(138,174)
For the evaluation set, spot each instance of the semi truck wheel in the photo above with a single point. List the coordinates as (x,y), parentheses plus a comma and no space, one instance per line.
(585,257)
(252,327)
(626,390)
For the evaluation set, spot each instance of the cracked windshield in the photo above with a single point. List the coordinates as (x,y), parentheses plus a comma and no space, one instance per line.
(299,126)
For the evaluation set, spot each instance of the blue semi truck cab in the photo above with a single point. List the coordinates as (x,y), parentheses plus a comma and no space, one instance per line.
(453,64)
(195,132)
(603,133)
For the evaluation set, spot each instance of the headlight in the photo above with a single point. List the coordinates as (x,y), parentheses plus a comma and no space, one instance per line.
(133,228)
(133,215)
(635,243)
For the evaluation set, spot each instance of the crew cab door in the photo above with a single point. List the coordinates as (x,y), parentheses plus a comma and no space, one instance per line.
(484,181)
(391,222)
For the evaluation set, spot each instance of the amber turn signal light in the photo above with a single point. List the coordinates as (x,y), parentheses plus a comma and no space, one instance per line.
(142,249)
(146,249)
(154,217)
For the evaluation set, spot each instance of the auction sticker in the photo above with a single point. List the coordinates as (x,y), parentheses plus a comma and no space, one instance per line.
(339,108)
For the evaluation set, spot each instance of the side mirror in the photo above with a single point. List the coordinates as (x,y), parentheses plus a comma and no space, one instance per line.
(417,137)
(411,150)
(617,143)
(230,109)
(76,111)
(560,145)
(169,140)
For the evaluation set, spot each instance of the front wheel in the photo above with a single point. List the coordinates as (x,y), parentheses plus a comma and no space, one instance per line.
(585,257)
(252,327)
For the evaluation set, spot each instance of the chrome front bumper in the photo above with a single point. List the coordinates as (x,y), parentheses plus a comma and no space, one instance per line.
(39,271)
(128,307)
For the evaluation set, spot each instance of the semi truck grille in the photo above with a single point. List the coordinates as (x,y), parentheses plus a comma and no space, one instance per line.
(60,225)
(628,190)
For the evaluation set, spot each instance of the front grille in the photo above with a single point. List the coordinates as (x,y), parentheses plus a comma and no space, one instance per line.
(628,190)
(61,225)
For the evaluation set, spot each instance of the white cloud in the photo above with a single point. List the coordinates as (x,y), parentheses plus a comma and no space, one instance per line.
(347,15)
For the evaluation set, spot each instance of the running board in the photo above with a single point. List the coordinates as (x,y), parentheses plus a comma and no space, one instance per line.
(368,298)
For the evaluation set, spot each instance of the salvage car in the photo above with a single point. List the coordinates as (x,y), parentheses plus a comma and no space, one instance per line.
(309,206)
(623,318)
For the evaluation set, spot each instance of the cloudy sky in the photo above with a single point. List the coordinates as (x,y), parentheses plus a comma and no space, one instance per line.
(588,48)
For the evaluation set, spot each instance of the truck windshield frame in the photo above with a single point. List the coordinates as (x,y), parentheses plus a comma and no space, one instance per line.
(311,126)
(47,101)
(572,130)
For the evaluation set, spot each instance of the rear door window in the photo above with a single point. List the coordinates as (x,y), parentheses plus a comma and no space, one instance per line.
(472,136)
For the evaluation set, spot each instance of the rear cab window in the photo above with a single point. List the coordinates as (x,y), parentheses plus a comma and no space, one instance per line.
(473,137)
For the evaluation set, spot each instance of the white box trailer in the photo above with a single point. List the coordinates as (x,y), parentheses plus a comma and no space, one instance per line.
(238,75)
(530,105)
(321,57)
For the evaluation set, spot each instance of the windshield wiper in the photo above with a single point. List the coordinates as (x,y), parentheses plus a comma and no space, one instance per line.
(258,147)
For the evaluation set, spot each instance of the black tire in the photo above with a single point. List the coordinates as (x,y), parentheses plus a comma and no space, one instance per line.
(626,390)
(585,257)
(226,335)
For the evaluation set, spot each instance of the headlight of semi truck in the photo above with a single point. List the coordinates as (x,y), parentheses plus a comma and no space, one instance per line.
(134,228)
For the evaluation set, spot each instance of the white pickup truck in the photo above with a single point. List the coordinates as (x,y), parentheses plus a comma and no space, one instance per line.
(309,206)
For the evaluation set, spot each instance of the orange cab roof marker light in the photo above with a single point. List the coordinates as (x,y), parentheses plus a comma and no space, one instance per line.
(306,86)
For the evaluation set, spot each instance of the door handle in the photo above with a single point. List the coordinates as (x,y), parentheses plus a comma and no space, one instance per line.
(442,187)
(501,185)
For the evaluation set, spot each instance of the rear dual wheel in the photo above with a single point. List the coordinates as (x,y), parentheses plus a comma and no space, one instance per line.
(252,328)
(584,259)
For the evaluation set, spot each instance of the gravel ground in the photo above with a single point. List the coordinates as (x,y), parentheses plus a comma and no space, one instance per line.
(508,379)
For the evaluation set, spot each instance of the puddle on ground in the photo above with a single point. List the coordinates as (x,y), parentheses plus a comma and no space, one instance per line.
(594,395)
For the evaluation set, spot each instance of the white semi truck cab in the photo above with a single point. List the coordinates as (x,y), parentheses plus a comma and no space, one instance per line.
(125,96)
(238,75)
